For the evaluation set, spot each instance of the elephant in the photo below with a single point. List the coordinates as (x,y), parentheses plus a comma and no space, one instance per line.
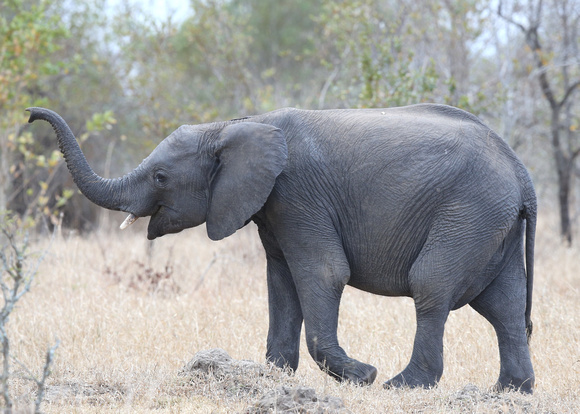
(422,201)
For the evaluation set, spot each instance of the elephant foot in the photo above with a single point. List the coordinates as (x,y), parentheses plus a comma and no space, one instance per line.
(412,380)
(288,363)
(511,384)
(356,372)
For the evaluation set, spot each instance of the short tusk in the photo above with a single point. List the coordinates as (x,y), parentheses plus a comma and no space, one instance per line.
(131,218)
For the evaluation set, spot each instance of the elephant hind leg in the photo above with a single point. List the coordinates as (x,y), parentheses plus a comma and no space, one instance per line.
(440,279)
(503,304)
(432,307)
(426,365)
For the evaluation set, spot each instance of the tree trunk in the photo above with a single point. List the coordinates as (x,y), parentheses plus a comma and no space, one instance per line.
(564,167)
(4,170)
(564,178)
(564,155)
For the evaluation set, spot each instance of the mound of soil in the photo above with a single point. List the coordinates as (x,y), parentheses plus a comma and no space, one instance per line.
(471,396)
(218,363)
(271,388)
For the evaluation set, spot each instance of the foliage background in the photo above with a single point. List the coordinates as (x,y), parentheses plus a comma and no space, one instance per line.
(124,77)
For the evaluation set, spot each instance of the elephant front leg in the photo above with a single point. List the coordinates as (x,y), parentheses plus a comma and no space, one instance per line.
(320,270)
(285,316)
(324,348)
(320,290)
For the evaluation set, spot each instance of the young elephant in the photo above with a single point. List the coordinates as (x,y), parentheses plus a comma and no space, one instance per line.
(421,201)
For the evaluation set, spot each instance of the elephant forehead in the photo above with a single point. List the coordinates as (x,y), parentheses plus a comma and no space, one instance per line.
(185,139)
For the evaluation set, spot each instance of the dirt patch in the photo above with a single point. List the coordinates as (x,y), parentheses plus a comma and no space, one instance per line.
(299,399)
(505,402)
(266,388)
(218,363)
(214,373)
(92,394)
(137,276)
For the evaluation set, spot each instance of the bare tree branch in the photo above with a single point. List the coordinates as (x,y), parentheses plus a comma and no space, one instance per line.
(564,159)
(538,16)
(569,92)
(16,276)
(508,19)
(41,383)
(533,41)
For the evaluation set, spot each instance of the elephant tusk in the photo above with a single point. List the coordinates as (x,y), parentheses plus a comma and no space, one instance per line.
(131,218)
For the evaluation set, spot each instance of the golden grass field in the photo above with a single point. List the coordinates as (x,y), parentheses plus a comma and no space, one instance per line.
(130,314)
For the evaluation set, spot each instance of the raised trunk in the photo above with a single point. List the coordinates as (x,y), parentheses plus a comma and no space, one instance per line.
(108,193)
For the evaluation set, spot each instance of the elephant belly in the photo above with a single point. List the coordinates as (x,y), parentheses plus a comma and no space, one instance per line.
(385,275)
(381,256)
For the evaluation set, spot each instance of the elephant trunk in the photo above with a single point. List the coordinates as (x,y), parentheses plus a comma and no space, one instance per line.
(111,194)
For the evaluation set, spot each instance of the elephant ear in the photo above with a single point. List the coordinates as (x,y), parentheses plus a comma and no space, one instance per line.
(250,157)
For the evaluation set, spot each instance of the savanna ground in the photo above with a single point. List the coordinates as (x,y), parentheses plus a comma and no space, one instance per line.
(130,314)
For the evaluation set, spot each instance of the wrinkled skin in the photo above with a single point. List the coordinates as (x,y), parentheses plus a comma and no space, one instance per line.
(422,201)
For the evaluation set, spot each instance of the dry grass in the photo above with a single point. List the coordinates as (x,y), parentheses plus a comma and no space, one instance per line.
(129,316)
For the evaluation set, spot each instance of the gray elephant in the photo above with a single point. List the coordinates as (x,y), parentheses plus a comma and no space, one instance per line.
(422,201)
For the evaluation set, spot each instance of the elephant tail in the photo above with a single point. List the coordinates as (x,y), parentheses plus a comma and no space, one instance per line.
(530,214)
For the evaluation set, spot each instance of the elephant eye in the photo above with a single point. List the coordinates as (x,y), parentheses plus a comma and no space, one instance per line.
(160,178)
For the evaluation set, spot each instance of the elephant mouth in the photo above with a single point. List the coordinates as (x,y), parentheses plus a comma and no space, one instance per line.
(153,230)
(166,221)
(159,221)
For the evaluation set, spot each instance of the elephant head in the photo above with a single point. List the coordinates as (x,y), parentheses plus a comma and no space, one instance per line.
(219,173)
